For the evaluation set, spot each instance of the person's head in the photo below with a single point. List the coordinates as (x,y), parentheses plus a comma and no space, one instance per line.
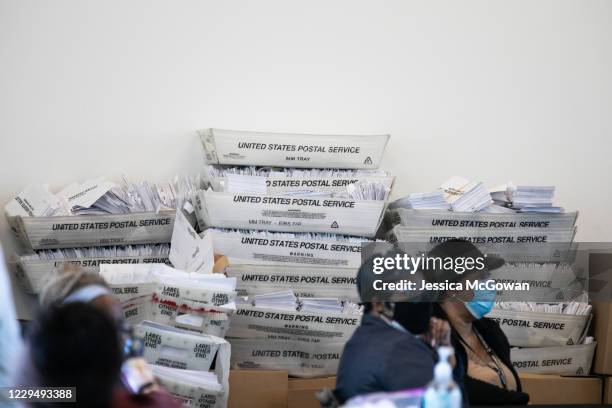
(476,302)
(72,284)
(405,307)
(76,345)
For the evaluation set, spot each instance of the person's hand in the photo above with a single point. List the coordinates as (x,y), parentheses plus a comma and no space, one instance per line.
(439,333)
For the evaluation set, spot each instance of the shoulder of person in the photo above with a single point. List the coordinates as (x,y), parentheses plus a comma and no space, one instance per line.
(408,343)
(486,324)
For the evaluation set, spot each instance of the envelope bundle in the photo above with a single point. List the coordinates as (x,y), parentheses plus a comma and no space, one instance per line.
(98,212)
(198,302)
(181,361)
(527,198)
(278,331)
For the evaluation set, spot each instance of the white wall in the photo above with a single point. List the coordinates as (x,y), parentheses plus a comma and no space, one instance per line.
(492,90)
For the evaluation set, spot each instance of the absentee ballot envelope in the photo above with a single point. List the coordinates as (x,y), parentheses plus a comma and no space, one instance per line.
(171,347)
(292,150)
(438,219)
(560,360)
(305,249)
(299,359)
(304,281)
(94,230)
(268,323)
(199,389)
(289,214)
(537,329)
(189,251)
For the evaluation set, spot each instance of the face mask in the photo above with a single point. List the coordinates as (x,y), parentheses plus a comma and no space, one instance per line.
(413,316)
(482,303)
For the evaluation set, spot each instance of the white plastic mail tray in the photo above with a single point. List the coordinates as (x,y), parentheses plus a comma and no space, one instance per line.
(292,150)
(537,329)
(240,246)
(441,219)
(278,185)
(34,273)
(560,360)
(94,230)
(289,214)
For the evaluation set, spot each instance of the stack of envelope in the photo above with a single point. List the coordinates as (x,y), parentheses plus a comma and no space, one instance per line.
(98,212)
(200,302)
(435,200)
(181,361)
(534,199)
(526,198)
(466,196)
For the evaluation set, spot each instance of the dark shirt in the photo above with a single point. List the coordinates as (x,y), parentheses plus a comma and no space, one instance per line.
(379,358)
(480,392)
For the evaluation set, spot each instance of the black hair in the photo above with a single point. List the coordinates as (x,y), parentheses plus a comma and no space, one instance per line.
(77,345)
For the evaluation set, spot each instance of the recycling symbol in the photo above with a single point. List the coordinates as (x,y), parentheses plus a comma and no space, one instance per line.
(570,342)
(579,371)
(368,160)
(334,224)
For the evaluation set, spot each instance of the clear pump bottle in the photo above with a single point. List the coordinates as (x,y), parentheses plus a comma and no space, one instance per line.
(442,392)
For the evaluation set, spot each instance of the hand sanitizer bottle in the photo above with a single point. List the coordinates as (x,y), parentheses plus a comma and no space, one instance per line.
(442,392)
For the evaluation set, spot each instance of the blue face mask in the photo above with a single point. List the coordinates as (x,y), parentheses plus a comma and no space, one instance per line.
(481,303)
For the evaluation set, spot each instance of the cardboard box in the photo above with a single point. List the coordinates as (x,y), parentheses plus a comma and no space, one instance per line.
(553,389)
(221,262)
(600,274)
(302,391)
(258,389)
(607,394)
(602,331)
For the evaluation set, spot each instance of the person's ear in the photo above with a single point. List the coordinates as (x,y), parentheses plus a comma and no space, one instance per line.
(377,306)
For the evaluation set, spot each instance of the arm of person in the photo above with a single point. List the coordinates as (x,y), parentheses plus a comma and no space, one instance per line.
(11,346)
(439,334)
(408,364)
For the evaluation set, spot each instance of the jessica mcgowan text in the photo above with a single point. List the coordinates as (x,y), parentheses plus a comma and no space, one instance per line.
(489,284)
